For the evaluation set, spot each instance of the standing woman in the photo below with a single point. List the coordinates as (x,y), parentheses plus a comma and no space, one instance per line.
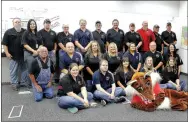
(92,59)
(113,57)
(124,73)
(72,91)
(31,42)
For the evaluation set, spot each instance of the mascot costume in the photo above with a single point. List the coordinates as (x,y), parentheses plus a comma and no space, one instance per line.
(148,96)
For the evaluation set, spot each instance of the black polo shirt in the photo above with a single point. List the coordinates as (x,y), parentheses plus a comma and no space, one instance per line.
(177,59)
(157,58)
(12,39)
(100,37)
(123,77)
(169,75)
(133,59)
(68,84)
(33,40)
(49,38)
(133,37)
(105,81)
(35,69)
(159,41)
(116,37)
(63,38)
(113,62)
(168,37)
(93,63)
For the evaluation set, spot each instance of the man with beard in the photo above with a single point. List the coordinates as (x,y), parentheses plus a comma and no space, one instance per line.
(14,51)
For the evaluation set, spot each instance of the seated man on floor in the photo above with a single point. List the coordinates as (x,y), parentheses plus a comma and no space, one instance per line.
(105,85)
(41,74)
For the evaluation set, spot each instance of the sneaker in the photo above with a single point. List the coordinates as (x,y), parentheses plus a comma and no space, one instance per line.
(73,110)
(15,87)
(120,99)
(103,102)
(93,104)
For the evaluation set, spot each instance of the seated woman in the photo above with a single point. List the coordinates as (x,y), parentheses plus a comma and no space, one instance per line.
(171,78)
(113,57)
(173,53)
(92,59)
(72,91)
(123,73)
(148,65)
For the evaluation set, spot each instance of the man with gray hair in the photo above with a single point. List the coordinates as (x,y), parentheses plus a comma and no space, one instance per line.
(14,51)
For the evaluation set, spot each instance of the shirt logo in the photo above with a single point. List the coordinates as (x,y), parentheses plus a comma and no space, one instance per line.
(51,33)
(172,35)
(137,36)
(70,39)
(87,33)
(136,57)
(157,55)
(102,36)
(121,32)
(107,78)
(79,83)
(77,59)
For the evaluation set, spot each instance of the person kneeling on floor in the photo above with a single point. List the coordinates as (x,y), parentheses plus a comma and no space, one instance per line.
(105,85)
(72,91)
(41,74)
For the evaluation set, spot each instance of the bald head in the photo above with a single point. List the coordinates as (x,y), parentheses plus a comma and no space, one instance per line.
(17,24)
(152,46)
(70,47)
(43,52)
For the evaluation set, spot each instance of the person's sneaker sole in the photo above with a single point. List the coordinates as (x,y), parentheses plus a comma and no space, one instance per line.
(103,102)
(93,105)
(73,110)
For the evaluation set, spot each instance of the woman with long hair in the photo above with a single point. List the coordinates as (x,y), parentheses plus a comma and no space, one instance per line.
(148,65)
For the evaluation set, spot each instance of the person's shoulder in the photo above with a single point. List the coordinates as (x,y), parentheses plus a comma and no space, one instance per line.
(164,32)
(121,30)
(34,61)
(109,30)
(10,30)
(77,30)
(139,30)
(65,78)
(96,73)
(41,30)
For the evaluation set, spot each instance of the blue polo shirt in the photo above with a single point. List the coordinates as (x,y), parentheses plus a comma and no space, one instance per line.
(83,37)
(65,60)
(133,59)
(105,81)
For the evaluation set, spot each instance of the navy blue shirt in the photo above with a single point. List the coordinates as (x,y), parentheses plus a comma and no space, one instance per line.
(65,60)
(105,81)
(133,59)
(83,37)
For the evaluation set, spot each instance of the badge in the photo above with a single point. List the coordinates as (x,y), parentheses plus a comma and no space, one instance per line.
(87,33)
(121,32)
(107,78)
(102,36)
(137,36)
(172,35)
(157,55)
(51,33)
(136,57)
(37,46)
(70,39)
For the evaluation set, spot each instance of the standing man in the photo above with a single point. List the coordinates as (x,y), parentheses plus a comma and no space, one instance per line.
(133,37)
(159,40)
(14,51)
(82,37)
(100,36)
(169,37)
(116,35)
(147,36)
(157,57)
(41,74)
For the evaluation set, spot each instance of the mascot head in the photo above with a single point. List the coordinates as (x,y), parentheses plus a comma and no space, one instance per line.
(143,83)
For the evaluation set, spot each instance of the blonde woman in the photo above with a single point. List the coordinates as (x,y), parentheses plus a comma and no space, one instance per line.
(92,59)
(113,57)
(148,65)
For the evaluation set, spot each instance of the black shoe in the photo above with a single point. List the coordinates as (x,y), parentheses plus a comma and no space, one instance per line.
(15,87)
(120,99)
(103,102)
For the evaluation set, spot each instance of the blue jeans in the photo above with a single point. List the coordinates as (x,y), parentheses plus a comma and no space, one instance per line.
(171,86)
(48,92)
(17,68)
(69,102)
(102,96)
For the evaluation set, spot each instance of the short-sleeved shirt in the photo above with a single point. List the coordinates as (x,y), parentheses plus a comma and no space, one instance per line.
(83,37)
(157,58)
(177,58)
(159,41)
(100,37)
(105,81)
(133,37)
(35,68)
(169,75)
(12,39)
(48,38)
(31,39)
(116,37)
(93,63)
(66,60)
(123,77)
(168,37)
(113,62)
(133,59)
(68,84)
(147,36)
(63,38)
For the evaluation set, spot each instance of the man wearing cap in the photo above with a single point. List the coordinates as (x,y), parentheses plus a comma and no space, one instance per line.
(147,36)
(133,37)
(159,40)
(116,35)
(169,37)
(100,36)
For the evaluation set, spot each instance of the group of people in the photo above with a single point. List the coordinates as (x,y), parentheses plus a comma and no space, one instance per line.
(89,65)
